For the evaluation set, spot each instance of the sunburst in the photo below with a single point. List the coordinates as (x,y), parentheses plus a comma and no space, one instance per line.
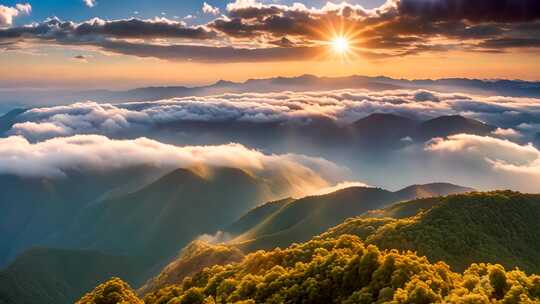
(340,38)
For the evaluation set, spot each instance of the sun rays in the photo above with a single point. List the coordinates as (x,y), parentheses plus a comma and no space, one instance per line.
(340,39)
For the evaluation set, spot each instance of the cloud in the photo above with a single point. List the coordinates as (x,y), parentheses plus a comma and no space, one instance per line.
(7,13)
(213,54)
(209,9)
(92,31)
(81,58)
(24,8)
(340,186)
(90,3)
(397,28)
(250,30)
(217,238)
(501,160)
(498,161)
(507,133)
(295,108)
(54,158)
(475,11)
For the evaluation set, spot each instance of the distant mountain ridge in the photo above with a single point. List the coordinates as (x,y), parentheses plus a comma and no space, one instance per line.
(514,88)
(312,82)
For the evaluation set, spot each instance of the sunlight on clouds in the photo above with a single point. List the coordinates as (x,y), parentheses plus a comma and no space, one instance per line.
(299,174)
(7,13)
(340,186)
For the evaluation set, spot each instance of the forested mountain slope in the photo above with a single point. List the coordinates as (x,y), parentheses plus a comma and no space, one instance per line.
(341,270)
(193,258)
(496,227)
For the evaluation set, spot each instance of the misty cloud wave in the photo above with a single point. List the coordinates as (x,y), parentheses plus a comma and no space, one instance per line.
(54,158)
(496,161)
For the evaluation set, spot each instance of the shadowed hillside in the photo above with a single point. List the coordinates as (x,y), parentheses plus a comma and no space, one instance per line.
(256,215)
(304,218)
(52,276)
(158,220)
(34,209)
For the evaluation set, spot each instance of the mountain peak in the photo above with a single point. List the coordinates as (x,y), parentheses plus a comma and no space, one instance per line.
(384,117)
(444,126)
(431,190)
(224,83)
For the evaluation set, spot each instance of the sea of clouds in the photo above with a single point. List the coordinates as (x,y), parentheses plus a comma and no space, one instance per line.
(47,141)
(515,117)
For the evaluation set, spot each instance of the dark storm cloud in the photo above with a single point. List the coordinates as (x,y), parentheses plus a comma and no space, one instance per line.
(475,10)
(511,43)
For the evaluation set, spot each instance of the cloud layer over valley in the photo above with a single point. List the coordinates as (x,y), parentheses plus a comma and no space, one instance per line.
(513,116)
(495,153)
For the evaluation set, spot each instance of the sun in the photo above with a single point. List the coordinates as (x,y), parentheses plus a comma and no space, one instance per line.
(340,45)
(339,40)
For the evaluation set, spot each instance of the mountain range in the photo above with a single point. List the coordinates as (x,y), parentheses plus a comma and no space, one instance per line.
(373,258)
(143,230)
(139,234)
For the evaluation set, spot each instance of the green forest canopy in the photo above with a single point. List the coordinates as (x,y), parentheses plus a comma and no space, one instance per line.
(336,270)
(496,227)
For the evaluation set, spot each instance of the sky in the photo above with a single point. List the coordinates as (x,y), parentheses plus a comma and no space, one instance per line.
(124,44)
